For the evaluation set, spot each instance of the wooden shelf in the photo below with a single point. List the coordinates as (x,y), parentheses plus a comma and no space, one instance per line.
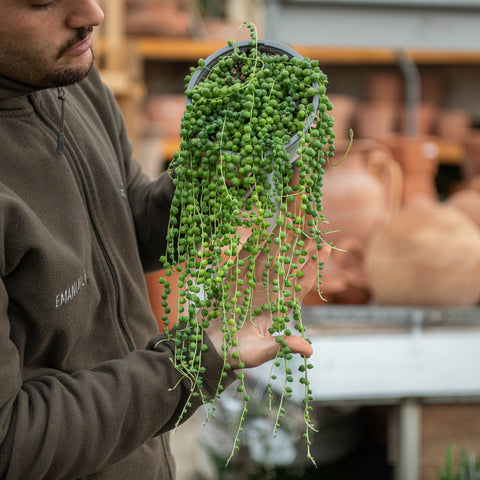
(168,146)
(152,48)
(450,153)
(122,83)
(189,50)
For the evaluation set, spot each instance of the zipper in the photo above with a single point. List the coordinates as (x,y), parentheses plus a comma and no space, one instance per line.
(167,454)
(61,133)
(61,148)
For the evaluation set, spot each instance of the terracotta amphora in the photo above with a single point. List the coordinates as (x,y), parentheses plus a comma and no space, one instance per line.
(359,196)
(428,254)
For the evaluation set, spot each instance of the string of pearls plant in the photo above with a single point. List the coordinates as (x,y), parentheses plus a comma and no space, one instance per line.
(253,115)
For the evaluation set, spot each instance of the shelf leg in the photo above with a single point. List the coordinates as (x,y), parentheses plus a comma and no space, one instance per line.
(409,434)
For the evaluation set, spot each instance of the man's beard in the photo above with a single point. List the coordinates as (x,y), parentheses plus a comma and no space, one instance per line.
(67,76)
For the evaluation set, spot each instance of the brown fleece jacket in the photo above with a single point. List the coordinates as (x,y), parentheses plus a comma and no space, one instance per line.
(81,394)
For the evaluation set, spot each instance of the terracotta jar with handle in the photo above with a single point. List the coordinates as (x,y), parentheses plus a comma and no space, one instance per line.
(359,195)
(468,202)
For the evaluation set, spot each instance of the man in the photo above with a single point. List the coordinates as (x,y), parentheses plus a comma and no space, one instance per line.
(83,391)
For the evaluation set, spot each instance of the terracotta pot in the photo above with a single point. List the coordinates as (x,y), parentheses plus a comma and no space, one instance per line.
(468,202)
(384,86)
(418,158)
(428,254)
(343,111)
(471,162)
(376,120)
(434,89)
(163,19)
(155,292)
(359,195)
(354,201)
(426,116)
(180,4)
(163,114)
(215,28)
(454,125)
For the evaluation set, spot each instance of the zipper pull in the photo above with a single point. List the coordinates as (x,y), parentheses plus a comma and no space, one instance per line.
(60,133)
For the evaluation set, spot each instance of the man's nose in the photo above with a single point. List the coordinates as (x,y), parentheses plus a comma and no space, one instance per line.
(84,13)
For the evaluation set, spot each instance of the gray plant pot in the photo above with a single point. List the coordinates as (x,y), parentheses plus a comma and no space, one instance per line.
(266,46)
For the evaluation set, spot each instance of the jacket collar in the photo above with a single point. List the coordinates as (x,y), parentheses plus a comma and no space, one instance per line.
(11,93)
(12,89)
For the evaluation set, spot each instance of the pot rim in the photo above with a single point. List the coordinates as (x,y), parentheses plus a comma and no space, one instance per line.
(270,46)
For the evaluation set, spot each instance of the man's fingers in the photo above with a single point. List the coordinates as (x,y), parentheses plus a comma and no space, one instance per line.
(298,345)
(257,350)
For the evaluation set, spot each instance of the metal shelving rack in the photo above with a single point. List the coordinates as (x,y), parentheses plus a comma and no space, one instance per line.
(438,28)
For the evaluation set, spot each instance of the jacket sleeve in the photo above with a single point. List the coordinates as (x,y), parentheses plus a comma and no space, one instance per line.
(149,199)
(150,205)
(59,425)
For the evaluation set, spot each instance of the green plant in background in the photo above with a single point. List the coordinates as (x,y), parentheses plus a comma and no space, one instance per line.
(233,171)
(467,469)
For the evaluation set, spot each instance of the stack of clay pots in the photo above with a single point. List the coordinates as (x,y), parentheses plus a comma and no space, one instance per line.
(471,163)
(162,115)
(343,113)
(378,115)
(383,112)
(166,18)
(423,251)
(418,159)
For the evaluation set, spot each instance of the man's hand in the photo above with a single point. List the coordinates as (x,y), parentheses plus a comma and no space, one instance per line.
(255,343)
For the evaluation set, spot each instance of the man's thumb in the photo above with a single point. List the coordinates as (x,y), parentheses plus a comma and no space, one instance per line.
(298,345)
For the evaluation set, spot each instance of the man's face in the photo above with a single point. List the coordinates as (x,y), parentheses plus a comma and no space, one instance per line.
(47,43)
